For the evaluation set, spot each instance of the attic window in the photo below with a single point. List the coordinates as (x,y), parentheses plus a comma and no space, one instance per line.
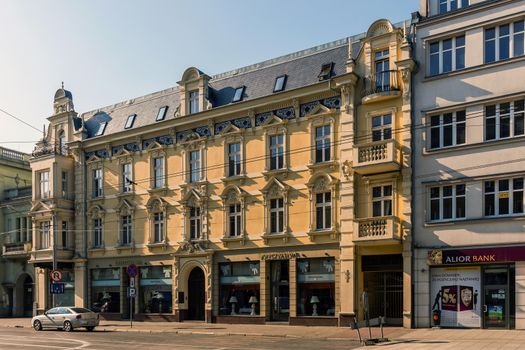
(101,129)
(238,94)
(162,113)
(326,71)
(130,121)
(280,83)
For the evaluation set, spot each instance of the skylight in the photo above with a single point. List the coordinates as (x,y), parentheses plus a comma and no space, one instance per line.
(130,121)
(101,129)
(162,113)
(238,94)
(326,71)
(280,83)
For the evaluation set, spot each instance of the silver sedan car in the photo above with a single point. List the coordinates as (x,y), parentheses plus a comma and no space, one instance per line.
(66,318)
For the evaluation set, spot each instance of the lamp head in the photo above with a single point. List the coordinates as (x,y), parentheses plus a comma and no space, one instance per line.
(314,299)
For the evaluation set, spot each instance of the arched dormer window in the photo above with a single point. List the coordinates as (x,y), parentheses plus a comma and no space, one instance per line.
(62,142)
(193,90)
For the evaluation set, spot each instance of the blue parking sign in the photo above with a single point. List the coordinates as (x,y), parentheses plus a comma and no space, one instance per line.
(56,288)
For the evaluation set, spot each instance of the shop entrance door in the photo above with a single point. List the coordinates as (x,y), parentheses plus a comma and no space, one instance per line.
(496,310)
(196,295)
(280,290)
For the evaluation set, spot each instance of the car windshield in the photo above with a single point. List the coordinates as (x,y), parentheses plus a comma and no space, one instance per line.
(80,310)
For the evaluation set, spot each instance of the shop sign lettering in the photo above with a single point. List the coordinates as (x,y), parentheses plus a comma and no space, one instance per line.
(279,256)
(475,256)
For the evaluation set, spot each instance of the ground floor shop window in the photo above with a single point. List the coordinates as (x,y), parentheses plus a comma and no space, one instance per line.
(68,298)
(105,290)
(316,287)
(156,289)
(239,288)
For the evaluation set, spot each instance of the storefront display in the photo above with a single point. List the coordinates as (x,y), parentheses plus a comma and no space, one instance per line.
(105,290)
(68,297)
(156,289)
(316,287)
(239,288)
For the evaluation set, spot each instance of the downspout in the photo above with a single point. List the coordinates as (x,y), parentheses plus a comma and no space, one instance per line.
(84,231)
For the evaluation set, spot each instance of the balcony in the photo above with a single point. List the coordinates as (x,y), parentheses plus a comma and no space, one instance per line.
(377,157)
(16,250)
(382,230)
(381,86)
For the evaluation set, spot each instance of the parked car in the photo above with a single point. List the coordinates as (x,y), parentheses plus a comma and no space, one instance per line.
(66,318)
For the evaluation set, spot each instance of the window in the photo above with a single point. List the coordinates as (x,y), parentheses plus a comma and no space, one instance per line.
(158,172)
(130,121)
(504,41)
(503,197)
(276,152)
(382,200)
(447,55)
(195,166)
(64,239)
(447,202)
(43,180)
(504,120)
(64,184)
(105,290)
(125,232)
(323,211)
(451,5)
(322,144)
(44,235)
(447,130)
(382,127)
(97,183)
(97,233)
(235,220)
(382,70)
(101,129)
(193,101)
(195,223)
(62,143)
(234,159)
(280,83)
(127,178)
(158,227)
(238,95)
(239,280)
(277,215)
(326,71)
(155,293)
(162,113)
(316,287)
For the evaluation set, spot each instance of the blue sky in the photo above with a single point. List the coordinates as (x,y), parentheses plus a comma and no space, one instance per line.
(107,51)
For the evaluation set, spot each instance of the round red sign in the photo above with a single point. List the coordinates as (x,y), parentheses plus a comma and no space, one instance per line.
(56,276)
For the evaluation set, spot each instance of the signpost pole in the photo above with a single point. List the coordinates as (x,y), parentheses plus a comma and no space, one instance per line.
(131,311)
(132,271)
(54,251)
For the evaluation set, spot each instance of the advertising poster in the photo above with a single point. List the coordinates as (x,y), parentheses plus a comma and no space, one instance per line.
(456,293)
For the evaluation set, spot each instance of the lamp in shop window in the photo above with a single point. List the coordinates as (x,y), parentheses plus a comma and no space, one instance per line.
(253,300)
(233,301)
(314,300)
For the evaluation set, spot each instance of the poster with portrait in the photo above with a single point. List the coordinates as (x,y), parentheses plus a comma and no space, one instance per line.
(455,292)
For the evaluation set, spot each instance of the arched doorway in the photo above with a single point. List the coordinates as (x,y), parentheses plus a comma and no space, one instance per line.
(28,296)
(196,295)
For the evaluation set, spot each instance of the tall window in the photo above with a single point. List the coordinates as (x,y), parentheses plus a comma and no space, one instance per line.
(447,55)
(97,233)
(503,197)
(195,223)
(276,152)
(277,215)
(43,180)
(126,230)
(322,144)
(382,200)
(447,130)
(382,127)
(97,183)
(504,120)
(195,166)
(62,143)
(234,159)
(323,211)
(382,69)
(158,227)
(127,178)
(64,236)
(447,202)
(158,172)
(193,101)
(504,41)
(235,220)
(451,5)
(44,235)
(64,184)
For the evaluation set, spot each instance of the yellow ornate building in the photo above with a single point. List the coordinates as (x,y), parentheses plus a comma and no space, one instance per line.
(249,196)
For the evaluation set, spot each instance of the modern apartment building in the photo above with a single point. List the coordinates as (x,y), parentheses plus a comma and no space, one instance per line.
(274,192)
(469,149)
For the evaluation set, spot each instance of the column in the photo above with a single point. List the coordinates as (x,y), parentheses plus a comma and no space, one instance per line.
(81,299)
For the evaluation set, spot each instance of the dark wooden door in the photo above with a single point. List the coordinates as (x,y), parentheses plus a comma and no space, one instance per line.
(196,295)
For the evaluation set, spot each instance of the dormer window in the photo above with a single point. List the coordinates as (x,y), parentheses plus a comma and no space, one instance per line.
(101,129)
(193,101)
(239,92)
(326,71)
(130,121)
(452,5)
(280,83)
(162,113)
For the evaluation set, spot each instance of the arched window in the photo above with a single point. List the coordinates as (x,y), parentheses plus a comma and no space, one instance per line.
(62,143)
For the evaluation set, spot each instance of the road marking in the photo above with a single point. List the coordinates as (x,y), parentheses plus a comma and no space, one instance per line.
(82,343)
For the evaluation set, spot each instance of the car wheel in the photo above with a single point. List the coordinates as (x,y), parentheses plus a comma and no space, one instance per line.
(37,325)
(90,329)
(68,327)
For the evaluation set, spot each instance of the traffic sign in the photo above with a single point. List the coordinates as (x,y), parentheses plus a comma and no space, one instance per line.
(56,275)
(56,288)
(132,292)
(132,282)
(132,270)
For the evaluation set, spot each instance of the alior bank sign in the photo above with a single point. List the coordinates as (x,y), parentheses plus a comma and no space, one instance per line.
(476,256)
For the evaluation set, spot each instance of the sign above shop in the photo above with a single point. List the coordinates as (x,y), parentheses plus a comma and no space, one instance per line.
(476,256)
(279,256)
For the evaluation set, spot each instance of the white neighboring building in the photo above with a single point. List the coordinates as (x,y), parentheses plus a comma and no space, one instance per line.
(469,157)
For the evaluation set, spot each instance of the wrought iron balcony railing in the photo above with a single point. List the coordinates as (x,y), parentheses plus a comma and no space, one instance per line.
(381,82)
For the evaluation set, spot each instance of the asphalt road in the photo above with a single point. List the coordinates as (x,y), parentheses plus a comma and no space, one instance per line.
(26,338)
